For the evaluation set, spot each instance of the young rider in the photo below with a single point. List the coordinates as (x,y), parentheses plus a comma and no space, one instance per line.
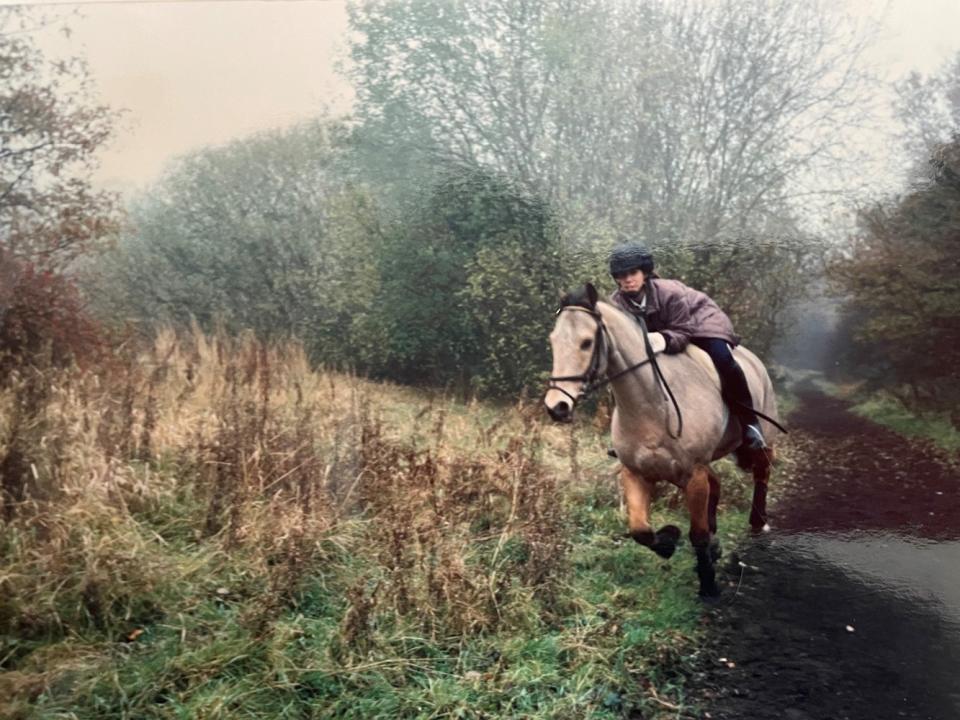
(684,315)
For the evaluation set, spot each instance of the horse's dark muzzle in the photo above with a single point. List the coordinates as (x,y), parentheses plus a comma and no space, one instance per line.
(561,412)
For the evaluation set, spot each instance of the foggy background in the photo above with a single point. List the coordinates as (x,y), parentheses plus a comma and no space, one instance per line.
(284,167)
(193,73)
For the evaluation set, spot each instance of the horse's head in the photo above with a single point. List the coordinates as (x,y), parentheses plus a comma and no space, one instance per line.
(579,353)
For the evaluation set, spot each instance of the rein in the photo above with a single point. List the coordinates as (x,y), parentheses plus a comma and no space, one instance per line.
(591,381)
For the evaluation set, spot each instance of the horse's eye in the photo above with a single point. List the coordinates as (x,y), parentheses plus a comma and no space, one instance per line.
(585,345)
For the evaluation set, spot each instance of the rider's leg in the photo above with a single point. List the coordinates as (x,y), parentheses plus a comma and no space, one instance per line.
(736,392)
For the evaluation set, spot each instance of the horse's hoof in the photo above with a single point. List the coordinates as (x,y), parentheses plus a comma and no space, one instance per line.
(664,549)
(665,541)
(646,538)
(710,593)
(671,532)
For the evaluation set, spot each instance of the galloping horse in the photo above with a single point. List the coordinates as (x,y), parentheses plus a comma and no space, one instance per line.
(593,340)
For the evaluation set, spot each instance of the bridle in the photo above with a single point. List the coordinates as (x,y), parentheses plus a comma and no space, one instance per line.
(591,381)
(590,378)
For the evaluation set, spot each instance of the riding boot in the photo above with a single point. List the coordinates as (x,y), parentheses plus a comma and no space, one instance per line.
(736,393)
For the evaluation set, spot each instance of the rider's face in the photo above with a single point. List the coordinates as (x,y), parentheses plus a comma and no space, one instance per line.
(630,281)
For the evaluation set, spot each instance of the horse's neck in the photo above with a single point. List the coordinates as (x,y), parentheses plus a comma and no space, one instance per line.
(637,393)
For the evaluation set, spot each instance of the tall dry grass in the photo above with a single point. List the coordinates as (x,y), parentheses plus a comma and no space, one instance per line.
(207,467)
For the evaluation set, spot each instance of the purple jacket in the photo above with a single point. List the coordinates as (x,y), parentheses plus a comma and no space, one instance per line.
(679,313)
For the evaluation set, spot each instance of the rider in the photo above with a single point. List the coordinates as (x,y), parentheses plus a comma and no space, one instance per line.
(684,315)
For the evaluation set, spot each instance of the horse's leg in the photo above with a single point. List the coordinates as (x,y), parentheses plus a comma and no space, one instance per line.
(714,481)
(638,492)
(761,476)
(698,503)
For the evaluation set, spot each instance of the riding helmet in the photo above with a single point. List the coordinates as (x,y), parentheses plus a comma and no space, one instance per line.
(630,256)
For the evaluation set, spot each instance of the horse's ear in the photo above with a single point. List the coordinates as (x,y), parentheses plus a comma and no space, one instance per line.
(592,296)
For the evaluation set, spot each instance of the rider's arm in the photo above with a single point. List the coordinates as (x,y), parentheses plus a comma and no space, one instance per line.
(677,323)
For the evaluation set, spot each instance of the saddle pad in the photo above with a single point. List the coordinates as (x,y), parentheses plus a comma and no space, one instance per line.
(704,360)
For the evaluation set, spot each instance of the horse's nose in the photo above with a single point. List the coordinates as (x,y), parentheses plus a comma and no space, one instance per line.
(561,412)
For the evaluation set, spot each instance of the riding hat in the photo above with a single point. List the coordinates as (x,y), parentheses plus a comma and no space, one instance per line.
(630,256)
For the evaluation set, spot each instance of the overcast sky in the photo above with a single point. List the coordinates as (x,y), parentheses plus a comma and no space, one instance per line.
(195,73)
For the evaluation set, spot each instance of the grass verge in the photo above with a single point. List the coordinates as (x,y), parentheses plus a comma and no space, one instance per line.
(214,531)
(886,410)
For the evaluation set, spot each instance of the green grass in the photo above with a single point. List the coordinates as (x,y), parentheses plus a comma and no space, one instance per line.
(890,412)
(787,402)
(472,565)
(623,621)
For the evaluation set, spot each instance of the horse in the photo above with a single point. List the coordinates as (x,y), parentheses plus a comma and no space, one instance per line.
(669,422)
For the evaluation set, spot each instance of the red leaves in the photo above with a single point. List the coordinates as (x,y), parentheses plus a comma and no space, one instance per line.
(42,312)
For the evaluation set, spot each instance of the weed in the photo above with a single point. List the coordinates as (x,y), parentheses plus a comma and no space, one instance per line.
(214,529)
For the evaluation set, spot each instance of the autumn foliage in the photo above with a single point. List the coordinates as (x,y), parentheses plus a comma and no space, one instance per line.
(50,214)
(43,313)
(901,277)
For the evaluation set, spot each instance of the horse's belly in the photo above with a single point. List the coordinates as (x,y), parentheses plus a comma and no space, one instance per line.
(656,458)
(658,464)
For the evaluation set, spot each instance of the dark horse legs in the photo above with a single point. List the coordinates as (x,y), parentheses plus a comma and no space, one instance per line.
(761,462)
(699,502)
(702,496)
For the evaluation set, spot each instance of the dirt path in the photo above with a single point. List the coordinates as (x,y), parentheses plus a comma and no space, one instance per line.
(848,609)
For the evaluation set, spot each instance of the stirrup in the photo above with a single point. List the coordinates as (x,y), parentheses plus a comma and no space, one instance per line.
(753,438)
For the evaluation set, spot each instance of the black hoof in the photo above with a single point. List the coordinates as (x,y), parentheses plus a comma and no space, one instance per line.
(665,542)
(643,537)
(710,594)
(669,532)
(664,549)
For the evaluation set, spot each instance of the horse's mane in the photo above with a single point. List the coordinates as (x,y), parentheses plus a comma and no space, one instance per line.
(578,298)
(586,297)
(635,332)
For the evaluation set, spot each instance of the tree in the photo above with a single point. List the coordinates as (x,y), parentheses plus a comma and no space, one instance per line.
(467,284)
(260,233)
(901,276)
(50,214)
(929,110)
(680,121)
(900,271)
(696,127)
